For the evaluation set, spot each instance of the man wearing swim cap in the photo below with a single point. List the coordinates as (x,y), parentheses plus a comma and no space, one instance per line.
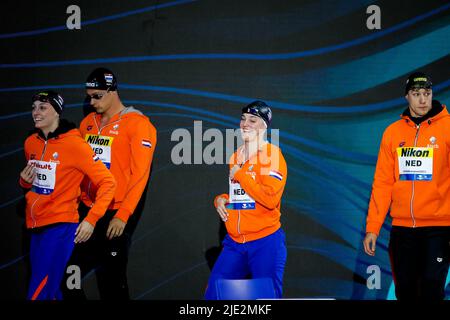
(124,139)
(412,181)
(255,244)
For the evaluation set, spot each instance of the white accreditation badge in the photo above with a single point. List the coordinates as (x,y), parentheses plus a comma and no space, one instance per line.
(101,146)
(44,182)
(415,163)
(238,198)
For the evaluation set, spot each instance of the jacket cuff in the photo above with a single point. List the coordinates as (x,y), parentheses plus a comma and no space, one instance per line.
(223,195)
(373,227)
(239,175)
(92,218)
(123,214)
(25,184)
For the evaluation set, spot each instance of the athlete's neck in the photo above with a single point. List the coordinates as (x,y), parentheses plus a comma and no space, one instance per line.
(50,128)
(252,147)
(116,108)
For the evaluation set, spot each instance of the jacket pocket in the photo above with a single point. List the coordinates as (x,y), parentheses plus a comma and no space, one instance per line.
(427,201)
(424,197)
(401,199)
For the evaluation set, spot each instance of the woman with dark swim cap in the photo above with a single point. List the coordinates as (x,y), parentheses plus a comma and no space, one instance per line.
(255,244)
(57,161)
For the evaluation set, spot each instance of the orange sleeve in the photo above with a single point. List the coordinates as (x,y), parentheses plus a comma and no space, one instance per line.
(142,144)
(100,176)
(84,197)
(269,191)
(85,183)
(383,182)
(224,195)
(23,183)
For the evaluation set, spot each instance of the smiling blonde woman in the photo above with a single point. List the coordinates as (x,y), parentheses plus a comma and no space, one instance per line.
(255,245)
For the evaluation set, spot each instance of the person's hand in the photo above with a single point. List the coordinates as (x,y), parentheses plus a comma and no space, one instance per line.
(115,228)
(370,242)
(221,210)
(28,174)
(83,232)
(234,170)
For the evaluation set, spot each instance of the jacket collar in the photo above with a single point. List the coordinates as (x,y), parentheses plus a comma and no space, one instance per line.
(64,127)
(437,111)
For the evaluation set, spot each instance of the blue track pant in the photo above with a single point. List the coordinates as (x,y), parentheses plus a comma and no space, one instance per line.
(50,250)
(262,258)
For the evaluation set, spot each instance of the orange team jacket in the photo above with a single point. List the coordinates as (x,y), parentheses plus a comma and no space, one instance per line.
(263,178)
(62,162)
(412,175)
(125,145)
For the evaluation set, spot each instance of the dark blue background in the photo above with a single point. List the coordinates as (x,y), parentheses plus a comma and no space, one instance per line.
(334,86)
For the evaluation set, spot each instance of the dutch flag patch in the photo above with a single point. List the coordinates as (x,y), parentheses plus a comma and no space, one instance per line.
(276,175)
(146,143)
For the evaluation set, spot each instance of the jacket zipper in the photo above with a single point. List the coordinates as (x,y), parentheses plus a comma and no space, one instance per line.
(238,226)
(99,130)
(31,210)
(413,189)
(239,211)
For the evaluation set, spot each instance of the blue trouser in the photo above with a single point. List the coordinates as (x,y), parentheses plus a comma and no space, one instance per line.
(51,247)
(262,258)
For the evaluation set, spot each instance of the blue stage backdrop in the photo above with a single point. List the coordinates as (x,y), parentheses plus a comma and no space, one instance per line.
(334,85)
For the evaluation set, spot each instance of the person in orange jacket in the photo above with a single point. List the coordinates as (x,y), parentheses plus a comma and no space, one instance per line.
(57,161)
(125,141)
(255,244)
(412,180)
